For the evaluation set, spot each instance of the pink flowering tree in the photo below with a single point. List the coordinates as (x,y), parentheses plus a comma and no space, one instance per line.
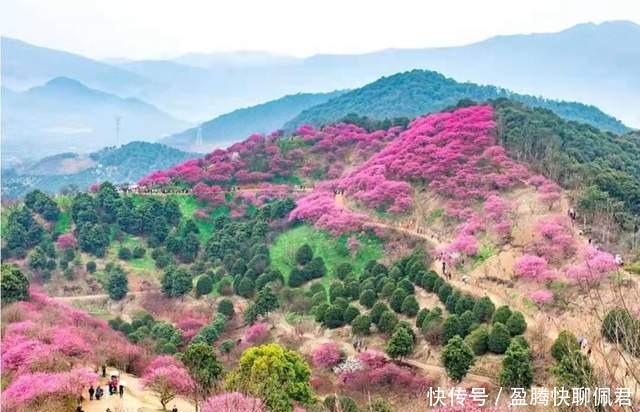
(326,355)
(233,402)
(47,390)
(541,297)
(532,267)
(167,378)
(256,334)
(66,241)
(595,266)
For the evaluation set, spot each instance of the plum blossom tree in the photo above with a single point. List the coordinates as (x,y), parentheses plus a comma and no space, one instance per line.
(66,241)
(167,378)
(46,390)
(532,267)
(256,334)
(326,355)
(541,297)
(233,402)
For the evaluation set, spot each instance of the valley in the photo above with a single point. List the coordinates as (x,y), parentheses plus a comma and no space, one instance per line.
(380,263)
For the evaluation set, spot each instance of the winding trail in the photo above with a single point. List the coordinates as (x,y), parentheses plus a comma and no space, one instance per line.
(100,296)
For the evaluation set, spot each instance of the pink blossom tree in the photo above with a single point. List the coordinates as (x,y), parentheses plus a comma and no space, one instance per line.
(532,267)
(233,402)
(256,334)
(66,241)
(46,390)
(167,378)
(326,355)
(541,297)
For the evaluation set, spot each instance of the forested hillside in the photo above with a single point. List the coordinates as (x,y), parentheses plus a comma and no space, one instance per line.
(414,93)
(339,268)
(231,127)
(124,164)
(604,167)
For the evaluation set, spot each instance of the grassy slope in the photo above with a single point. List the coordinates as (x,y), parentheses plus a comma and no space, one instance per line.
(332,249)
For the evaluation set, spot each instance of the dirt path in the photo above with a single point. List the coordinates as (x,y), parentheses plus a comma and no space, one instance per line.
(100,296)
(135,399)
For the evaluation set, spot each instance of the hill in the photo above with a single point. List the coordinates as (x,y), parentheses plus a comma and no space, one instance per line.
(578,64)
(234,126)
(124,164)
(417,92)
(64,115)
(436,246)
(25,65)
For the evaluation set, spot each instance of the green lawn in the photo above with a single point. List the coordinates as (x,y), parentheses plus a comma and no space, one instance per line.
(332,249)
(145,263)
(63,224)
(188,205)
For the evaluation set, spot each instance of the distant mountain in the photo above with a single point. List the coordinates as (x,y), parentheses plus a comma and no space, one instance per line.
(240,123)
(596,64)
(126,163)
(417,92)
(234,59)
(25,65)
(66,116)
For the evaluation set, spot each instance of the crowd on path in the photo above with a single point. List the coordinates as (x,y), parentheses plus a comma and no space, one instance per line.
(147,190)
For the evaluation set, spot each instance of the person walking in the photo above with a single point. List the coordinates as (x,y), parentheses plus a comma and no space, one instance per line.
(121,390)
(104,371)
(91,392)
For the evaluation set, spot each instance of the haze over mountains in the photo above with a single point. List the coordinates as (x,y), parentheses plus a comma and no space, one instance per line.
(64,115)
(58,102)
(593,64)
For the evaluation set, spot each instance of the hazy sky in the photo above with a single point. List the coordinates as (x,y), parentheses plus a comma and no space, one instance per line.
(160,28)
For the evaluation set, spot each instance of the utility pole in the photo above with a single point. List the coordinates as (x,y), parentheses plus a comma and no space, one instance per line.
(199,139)
(118,118)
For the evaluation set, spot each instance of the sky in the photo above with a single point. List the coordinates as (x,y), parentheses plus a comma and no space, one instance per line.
(141,29)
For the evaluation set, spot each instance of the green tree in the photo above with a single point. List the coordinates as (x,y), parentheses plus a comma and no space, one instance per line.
(124,253)
(204,285)
(502,315)
(396,299)
(225,306)
(378,309)
(204,368)
(304,254)
(483,309)
(361,325)
(350,313)
(517,367)
(387,322)
(117,283)
(246,287)
(457,358)
(516,324)
(176,282)
(91,266)
(574,371)
(368,298)
(333,317)
(266,301)
(343,270)
(564,344)
(499,338)
(478,340)
(296,278)
(274,374)
(410,306)
(138,252)
(400,344)
(226,346)
(451,327)
(15,285)
(315,269)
